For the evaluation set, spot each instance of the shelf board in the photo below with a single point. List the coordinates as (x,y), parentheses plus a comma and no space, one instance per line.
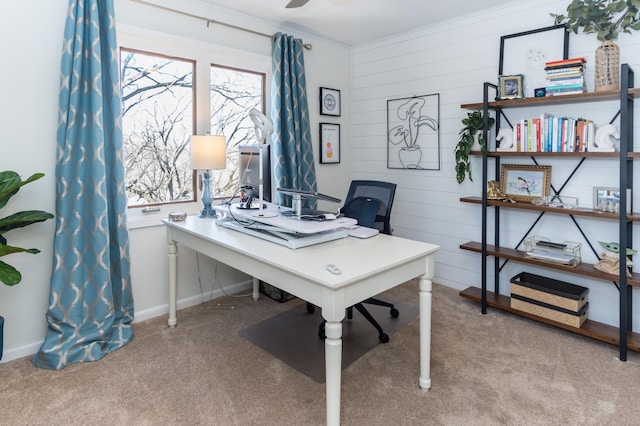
(554,154)
(578,211)
(595,330)
(583,268)
(554,100)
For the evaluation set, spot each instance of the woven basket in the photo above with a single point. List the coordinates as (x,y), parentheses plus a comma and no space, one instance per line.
(607,68)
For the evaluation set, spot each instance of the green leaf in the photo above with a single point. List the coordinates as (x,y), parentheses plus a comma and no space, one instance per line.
(606,18)
(22,219)
(9,275)
(5,250)
(10,183)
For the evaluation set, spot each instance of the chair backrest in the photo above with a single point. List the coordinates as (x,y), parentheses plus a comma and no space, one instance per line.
(384,192)
(363,209)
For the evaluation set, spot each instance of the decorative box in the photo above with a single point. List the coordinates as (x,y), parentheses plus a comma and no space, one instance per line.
(549,298)
(573,319)
(550,291)
(566,252)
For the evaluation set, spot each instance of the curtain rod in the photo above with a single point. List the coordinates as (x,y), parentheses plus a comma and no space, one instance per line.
(209,21)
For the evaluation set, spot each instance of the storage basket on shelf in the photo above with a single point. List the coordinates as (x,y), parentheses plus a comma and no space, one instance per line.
(549,298)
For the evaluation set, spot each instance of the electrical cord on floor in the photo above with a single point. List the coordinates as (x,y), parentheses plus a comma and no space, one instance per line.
(215,280)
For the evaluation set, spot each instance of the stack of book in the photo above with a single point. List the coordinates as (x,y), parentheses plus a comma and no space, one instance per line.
(565,77)
(550,133)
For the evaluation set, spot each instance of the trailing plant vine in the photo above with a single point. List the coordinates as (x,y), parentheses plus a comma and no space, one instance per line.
(473,123)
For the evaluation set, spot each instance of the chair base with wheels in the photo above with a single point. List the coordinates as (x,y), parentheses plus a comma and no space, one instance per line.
(382,336)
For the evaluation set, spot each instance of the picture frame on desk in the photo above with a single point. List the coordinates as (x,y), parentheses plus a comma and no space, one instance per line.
(330,102)
(511,86)
(329,143)
(525,183)
(527,52)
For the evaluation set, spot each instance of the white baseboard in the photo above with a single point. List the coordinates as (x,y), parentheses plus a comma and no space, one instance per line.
(31,348)
(187,302)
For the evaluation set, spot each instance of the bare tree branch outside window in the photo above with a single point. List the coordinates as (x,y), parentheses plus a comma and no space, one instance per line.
(233,93)
(159,118)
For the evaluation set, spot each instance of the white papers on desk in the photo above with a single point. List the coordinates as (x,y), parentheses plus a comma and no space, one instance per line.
(290,224)
(362,232)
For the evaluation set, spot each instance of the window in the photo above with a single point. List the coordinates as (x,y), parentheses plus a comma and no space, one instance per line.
(233,93)
(158,120)
(159,116)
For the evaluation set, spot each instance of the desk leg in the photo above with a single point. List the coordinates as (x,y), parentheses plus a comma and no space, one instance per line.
(173,282)
(425,332)
(333,366)
(256,289)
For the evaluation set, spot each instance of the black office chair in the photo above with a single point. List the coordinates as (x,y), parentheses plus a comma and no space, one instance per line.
(369,202)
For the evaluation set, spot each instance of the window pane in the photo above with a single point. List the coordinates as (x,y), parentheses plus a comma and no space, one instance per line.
(158,120)
(233,93)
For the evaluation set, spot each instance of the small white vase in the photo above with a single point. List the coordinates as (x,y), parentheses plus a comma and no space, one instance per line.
(476,141)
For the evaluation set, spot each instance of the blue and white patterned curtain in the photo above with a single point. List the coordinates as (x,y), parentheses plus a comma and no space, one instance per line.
(90,303)
(293,152)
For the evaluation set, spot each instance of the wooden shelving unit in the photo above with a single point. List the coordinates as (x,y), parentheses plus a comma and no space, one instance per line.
(622,336)
(578,211)
(595,330)
(583,268)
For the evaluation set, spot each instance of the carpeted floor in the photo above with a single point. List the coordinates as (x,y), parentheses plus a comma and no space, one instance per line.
(493,369)
(292,336)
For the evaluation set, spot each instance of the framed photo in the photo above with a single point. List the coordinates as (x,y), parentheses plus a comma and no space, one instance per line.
(510,86)
(329,102)
(527,52)
(608,199)
(329,143)
(413,133)
(525,183)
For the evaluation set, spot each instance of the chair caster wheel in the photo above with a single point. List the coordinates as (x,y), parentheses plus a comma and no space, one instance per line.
(395,313)
(384,338)
(321,333)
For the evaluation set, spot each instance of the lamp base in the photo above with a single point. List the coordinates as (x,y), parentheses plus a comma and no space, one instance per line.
(207,211)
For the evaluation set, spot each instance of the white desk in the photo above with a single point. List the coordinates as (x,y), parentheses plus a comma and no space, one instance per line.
(369,267)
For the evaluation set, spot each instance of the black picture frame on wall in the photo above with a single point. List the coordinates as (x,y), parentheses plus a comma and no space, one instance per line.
(329,143)
(526,53)
(329,102)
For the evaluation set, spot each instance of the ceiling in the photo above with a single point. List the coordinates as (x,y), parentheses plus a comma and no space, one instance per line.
(357,21)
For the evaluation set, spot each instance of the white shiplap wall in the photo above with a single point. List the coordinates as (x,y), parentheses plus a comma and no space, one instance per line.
(453,59)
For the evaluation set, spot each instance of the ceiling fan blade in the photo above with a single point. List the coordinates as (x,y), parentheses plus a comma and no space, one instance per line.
(296,3)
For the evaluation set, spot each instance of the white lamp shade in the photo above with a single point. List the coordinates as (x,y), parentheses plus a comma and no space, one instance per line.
(208,152)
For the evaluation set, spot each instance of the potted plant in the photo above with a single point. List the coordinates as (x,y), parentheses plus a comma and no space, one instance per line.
(10,184)
(470,134)
(606,18)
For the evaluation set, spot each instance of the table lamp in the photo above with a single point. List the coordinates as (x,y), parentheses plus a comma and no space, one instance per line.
(208,153)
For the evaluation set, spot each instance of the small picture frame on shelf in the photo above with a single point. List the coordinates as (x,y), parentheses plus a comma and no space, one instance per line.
(606,199)
(329,102)
(510,86)
(525,183)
